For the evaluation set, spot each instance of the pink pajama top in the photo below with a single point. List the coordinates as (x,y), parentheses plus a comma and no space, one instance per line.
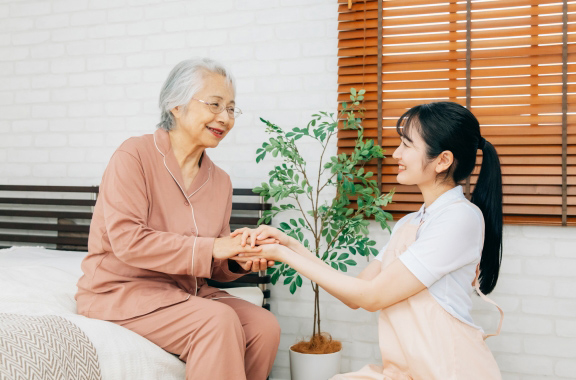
(151,240)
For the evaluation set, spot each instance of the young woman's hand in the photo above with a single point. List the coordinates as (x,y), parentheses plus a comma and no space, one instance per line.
(270,252)
(262,235)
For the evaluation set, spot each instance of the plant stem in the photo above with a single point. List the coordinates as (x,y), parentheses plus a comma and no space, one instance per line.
(316,327)
(315,308)
(317,297)
(318,188)
(304,214)
(343,227)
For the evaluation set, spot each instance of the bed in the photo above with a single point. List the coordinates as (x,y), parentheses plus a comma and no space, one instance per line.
(43,239)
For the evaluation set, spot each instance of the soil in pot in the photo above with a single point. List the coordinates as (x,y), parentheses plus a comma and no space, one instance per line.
(318,344)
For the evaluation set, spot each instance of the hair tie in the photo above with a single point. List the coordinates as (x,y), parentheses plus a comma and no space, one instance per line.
(481,143)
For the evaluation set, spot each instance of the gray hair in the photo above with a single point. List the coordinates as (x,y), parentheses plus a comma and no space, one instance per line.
(183,82)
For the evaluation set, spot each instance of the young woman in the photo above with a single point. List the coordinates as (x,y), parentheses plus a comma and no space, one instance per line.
(423,279)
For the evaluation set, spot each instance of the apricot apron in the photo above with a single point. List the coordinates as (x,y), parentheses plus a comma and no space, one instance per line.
(420,340)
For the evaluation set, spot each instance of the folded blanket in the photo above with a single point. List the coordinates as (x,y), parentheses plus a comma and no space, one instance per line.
(45,347)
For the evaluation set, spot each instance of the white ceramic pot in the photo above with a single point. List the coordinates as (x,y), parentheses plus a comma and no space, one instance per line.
(314,366)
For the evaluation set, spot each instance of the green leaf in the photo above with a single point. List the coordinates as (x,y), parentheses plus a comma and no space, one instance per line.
(275,277)
(343,256)
(334,266)
(299,280)
(342,267)
(288,280)
(350,262)
(293,222)
(293,288)
(284,226)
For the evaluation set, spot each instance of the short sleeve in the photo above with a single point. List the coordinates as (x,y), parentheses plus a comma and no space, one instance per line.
(381,253)
(451,239)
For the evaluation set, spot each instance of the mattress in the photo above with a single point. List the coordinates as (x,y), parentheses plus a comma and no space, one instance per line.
(38,283)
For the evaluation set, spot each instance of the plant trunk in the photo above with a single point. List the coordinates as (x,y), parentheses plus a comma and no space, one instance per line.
(316,311)
(317,306)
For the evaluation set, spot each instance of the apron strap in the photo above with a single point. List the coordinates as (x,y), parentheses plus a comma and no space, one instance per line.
(483,296)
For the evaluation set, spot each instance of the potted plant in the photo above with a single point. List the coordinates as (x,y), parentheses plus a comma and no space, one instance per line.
(334,228)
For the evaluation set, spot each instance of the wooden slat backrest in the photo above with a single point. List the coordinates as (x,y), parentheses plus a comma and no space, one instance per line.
(58,217)
(52,216)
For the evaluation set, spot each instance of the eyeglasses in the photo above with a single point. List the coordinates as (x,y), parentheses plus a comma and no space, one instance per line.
(215,107)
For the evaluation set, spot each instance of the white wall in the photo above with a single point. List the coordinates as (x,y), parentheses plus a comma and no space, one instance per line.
(77,77)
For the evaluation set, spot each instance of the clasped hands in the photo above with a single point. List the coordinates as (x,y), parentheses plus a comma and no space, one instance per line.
(253,249)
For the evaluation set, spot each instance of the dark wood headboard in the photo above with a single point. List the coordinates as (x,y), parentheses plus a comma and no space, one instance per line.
(58,217)
(51,216)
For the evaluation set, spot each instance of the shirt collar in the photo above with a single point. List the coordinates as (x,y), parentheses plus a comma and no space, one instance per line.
(445,199)
(164,147)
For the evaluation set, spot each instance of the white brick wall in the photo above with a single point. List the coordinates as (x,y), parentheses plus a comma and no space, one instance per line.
(77,77)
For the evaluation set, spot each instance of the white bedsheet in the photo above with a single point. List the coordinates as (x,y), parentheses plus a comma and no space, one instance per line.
(38,281)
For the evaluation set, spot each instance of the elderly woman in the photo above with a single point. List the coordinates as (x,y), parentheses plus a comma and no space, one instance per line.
(161,228)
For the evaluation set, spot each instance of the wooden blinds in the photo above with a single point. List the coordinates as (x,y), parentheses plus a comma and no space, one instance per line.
(511,62)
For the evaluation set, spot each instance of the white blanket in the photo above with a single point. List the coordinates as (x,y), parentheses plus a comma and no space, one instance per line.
(38,281)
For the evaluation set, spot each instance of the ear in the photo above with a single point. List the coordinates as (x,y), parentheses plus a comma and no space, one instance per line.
(177,112)
(444,161)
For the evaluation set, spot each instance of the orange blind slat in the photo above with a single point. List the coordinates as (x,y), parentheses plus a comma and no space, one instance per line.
(516,88)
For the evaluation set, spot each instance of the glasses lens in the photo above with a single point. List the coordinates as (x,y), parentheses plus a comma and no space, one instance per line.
(216,107)
(233,112)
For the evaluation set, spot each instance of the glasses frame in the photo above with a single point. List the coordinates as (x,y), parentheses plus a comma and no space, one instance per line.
(233,112)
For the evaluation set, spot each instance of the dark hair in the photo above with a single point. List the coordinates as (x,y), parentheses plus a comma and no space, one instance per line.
(450,126)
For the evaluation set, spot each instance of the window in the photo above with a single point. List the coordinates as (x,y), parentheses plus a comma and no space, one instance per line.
(511,62)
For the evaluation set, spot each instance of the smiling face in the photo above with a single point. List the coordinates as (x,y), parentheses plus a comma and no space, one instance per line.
(196,124)
(414,167)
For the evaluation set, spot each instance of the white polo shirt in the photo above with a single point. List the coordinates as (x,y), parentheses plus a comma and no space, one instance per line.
(447,249)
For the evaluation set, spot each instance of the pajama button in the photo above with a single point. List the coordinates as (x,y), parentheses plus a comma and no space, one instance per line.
(186,204)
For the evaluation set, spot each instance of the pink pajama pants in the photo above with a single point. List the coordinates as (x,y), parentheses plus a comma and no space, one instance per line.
(223,339)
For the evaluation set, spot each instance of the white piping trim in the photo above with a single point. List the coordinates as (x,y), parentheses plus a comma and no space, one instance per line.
(208,179)
(191,208)
(231,296)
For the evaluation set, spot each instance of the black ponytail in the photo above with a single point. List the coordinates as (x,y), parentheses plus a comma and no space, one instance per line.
(449,126)
(487,196)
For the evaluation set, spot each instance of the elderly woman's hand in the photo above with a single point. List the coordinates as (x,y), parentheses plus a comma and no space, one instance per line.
(252,264)
(226,247)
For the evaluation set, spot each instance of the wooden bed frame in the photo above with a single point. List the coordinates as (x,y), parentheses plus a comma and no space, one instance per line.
(58,217)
